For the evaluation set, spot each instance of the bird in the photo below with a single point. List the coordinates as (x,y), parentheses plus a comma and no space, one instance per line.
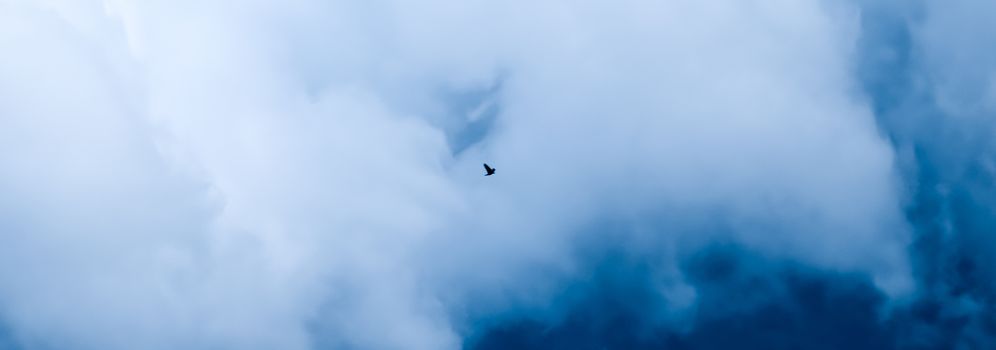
(490,170)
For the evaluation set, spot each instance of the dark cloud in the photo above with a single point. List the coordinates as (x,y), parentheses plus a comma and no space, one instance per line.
(744,302)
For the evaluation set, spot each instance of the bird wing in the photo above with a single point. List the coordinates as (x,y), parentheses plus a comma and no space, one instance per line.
(487,168)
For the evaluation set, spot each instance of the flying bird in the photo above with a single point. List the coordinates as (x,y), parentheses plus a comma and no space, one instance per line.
(490,170)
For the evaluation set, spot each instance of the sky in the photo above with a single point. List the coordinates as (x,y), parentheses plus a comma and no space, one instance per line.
(671,174)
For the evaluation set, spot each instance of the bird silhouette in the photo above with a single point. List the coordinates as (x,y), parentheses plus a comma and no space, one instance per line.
(490,170)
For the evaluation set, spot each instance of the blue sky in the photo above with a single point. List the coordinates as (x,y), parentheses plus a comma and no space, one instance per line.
(671,174)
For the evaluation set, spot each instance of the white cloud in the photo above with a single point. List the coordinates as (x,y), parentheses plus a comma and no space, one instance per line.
(254,175)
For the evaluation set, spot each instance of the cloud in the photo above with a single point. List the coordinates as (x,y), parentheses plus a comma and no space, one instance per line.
(307,175)
(959,67)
